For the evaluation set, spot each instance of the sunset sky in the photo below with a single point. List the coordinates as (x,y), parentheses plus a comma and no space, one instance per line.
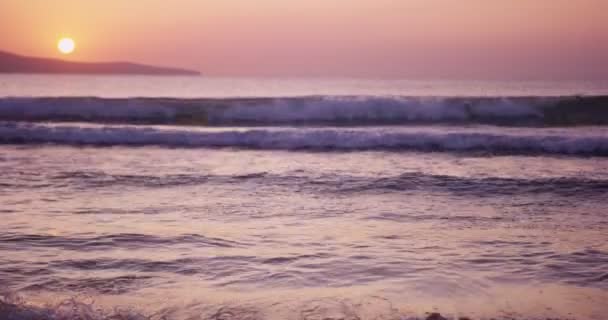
(482,39)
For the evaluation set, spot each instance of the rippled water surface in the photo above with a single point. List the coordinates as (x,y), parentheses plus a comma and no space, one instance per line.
(192,198)
(246,234)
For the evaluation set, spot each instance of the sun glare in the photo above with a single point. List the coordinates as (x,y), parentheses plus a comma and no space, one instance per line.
(66,45)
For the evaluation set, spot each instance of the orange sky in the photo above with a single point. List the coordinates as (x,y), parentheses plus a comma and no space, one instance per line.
(547,39)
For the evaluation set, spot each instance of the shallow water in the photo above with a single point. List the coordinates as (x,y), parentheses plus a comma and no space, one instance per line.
(185,232)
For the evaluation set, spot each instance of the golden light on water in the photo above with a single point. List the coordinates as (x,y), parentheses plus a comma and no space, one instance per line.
(66,45)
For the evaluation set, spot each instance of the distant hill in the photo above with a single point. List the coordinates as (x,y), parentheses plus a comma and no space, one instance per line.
(13,63)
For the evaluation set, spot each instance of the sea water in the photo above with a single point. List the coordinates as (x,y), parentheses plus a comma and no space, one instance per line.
(217,198)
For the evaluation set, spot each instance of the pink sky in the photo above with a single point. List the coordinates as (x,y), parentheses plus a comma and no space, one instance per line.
(483,39)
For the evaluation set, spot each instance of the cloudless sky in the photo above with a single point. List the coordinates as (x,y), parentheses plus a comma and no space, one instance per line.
(481,39)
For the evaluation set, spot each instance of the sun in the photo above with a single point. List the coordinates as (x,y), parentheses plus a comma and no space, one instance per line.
(66,45)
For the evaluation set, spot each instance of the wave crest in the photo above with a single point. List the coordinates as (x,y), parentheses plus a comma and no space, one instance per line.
(314,139)
(313,110)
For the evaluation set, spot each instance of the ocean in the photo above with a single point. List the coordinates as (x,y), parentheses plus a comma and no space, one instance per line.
(313,199)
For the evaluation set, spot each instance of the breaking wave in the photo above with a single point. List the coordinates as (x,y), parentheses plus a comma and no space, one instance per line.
(559,142)
(313,110)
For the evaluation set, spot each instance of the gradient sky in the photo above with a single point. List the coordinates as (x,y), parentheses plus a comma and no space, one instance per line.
(481,39)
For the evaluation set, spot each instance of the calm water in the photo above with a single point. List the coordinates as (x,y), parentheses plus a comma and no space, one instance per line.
(198,87)
(106,217)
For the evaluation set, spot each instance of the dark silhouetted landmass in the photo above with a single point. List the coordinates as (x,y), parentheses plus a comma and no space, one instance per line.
(13,63)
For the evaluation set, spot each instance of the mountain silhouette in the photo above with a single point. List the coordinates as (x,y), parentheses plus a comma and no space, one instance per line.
(14,63)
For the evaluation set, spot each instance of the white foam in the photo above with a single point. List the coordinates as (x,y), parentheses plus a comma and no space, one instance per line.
(422,139)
